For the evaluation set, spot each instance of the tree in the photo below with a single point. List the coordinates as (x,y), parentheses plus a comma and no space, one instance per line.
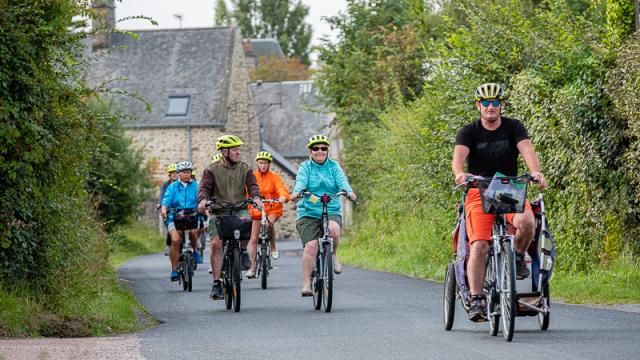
(275,68)
(280,19)
(222,17)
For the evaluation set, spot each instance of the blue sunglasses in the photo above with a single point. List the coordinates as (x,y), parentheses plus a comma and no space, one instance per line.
(494,102)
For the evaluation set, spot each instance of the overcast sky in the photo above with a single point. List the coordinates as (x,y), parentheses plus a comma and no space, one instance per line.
(199,13)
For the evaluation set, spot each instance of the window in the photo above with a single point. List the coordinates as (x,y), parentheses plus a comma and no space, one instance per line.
(178,105)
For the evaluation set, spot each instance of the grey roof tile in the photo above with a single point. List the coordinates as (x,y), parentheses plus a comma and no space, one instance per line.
(162,63)
(290,112)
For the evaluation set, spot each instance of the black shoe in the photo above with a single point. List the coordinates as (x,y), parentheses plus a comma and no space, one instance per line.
(477,309)
(521,267)
(245,260)
(216,291)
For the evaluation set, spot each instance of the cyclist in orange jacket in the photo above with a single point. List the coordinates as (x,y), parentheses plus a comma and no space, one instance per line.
(271,187)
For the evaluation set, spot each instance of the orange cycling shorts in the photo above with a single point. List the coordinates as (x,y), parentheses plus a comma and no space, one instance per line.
(272,209)
(479,225)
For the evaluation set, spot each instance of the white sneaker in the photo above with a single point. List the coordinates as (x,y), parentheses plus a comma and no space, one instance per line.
(275,255)
(167,250)
(250,274)
(337,266)
(210,270)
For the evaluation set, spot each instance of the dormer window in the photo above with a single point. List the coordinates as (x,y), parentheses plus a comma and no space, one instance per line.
(178,105)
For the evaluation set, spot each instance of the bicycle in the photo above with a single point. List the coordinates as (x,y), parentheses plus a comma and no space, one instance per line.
(322,275)
(263,255)
(231,229)
(501,195)
(185,220)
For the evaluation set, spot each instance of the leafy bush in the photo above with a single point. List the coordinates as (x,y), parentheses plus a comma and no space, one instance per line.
(55,145)
(575,93)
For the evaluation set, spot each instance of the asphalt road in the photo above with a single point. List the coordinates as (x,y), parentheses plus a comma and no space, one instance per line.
(375,315)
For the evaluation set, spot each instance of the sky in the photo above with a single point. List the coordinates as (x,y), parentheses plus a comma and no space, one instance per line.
(199,13)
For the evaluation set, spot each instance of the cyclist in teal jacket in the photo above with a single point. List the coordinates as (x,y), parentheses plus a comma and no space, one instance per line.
(182,194)
(319,175)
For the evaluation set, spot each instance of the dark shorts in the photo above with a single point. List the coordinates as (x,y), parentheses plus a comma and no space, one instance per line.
(311,228)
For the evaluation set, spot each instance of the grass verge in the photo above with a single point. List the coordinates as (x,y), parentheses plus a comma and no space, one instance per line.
(106,307)
(426,255)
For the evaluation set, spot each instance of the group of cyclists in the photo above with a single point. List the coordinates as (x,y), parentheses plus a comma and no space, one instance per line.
(489,145)
(227,179)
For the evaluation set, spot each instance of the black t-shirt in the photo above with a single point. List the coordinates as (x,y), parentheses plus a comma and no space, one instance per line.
(492,151)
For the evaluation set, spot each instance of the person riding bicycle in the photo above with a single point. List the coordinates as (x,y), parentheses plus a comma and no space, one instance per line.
(180,195)
(173,176)
(489,145)
(271,187)
(227,180)
(319,175)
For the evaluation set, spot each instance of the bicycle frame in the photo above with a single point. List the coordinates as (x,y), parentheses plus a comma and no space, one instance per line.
(499,236)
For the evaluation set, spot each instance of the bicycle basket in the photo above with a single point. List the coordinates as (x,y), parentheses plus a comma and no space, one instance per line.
(228,224)
(185,220)
(503,195)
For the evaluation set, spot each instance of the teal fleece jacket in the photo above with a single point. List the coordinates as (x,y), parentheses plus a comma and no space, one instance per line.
(327,178)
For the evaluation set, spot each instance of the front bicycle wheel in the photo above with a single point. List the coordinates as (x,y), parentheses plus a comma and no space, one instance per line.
(449,298)
(543,319)
(492,296)
(508,292)
(327,295)
(188,272)
(264,270)
(226,282)
(236,277)
(316,284)
(182,270)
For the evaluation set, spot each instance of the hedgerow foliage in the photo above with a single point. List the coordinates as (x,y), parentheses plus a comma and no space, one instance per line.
(55,146)
(574,88)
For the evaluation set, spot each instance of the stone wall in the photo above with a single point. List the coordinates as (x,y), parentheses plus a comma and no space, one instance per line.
(286,226)
(241,117)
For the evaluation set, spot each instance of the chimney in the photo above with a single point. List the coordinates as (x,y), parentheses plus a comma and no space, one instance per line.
(103,23)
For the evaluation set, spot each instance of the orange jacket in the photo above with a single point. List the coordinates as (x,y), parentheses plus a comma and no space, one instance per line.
(271,187)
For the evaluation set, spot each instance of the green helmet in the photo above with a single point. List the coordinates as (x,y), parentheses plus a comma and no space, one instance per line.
(264,155)
(172,168)
(216,157)
(489,91)
(317,139)
(228,141)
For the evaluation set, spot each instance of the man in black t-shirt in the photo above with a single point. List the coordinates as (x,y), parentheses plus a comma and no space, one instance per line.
(492,144)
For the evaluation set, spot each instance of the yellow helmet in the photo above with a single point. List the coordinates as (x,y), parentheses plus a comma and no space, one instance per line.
(489,91)
(228,141)
(317,139)
(172,168)
(264,155)
(216,157)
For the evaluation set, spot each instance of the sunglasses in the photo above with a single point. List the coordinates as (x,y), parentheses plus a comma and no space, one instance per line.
(486,103)
(320,148)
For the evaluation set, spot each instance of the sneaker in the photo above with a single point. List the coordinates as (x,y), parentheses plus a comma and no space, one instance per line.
(175,276)
(521,267)
(245,260)
(275,254)
(167,250)
(210,270)
(216,291)
(251,274)
(198,257)
(306,291)
(337,266)
(476,309)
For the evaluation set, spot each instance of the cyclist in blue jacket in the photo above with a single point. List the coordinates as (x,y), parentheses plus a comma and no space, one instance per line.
(180,195)
(318,175)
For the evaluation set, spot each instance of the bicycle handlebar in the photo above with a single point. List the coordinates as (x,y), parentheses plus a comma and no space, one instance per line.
(229,206)
(473,180)
(304,192)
